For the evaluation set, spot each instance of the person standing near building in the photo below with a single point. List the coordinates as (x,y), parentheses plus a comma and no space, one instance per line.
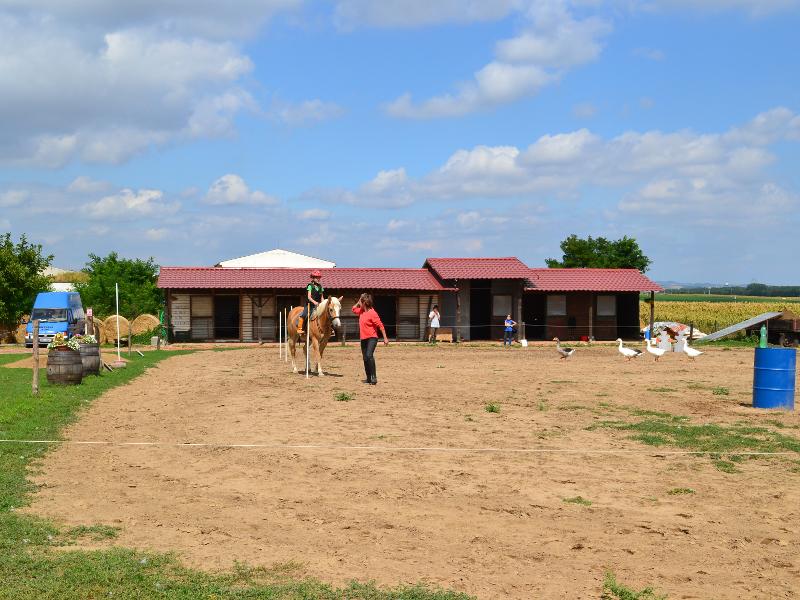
(369,323)
(508,336)
(434,317)
(315,294)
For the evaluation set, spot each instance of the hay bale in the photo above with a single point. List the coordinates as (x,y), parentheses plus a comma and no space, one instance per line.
(110,328)
(144,323)
(98,330)
(19,334)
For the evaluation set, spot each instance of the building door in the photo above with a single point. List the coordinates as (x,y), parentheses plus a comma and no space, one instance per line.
(480,311)
(534,314)
(226,317)
(387,310)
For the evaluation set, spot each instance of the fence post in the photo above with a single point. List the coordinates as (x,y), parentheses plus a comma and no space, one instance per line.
(130,341)
(344,334)
(691,331)
(35,384)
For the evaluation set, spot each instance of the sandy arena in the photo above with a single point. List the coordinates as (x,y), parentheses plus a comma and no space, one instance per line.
(437,509)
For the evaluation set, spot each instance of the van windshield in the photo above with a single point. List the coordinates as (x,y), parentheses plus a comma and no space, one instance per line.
(49,314)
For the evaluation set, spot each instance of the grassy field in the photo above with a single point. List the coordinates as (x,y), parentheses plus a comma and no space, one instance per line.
(710,316)
(667,297)
(34,562)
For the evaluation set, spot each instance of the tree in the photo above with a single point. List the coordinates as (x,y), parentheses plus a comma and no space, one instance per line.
(600,253)
(21,277)
(138,293)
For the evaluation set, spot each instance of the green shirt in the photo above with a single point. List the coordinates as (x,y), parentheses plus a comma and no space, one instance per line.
(316,290)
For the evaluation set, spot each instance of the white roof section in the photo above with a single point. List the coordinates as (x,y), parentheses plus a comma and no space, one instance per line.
(62,287)
(277,259)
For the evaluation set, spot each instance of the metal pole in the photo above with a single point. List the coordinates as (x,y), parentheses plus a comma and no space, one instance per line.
(285,338)
(280,336)
(35,384)
(652,312)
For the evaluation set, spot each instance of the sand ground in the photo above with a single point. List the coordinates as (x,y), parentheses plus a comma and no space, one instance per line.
(396,485)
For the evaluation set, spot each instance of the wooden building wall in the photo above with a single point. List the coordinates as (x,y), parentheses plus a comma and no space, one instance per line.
(582,314)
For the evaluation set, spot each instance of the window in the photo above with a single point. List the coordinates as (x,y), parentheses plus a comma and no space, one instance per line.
(501,306)
(606,306)
(556,305)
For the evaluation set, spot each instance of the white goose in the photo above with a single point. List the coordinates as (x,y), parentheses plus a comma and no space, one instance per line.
(628,353)
(564,352)
(691,352)
(654,350)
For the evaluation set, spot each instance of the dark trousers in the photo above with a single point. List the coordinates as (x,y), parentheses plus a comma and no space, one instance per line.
(368,353)
(508,338)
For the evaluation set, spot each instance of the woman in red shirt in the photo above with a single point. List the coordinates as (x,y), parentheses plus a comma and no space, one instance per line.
(368,325)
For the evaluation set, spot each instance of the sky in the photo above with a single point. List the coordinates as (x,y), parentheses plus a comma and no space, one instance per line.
(379,133)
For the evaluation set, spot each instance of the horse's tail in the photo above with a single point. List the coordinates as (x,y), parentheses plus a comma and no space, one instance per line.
(291,325)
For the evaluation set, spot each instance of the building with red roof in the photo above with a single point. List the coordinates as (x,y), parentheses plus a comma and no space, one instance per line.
(474,296)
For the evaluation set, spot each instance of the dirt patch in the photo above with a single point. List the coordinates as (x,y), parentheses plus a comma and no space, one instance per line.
(491,523)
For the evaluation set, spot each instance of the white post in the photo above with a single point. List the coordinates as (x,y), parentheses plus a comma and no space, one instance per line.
(285,337)
(280,338)
(308,341)
(116,293)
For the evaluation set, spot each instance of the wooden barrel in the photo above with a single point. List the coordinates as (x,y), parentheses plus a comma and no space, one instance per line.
(64,366)
(90,357)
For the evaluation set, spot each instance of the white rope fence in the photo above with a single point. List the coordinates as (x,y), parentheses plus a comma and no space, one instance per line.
(430,449)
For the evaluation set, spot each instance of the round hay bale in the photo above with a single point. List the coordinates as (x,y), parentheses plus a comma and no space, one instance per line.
(144,323)
(99,331)
(19,334)
(110,328)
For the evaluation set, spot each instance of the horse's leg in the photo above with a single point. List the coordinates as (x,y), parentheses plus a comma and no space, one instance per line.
(292,348)
(320,350)
(317,356)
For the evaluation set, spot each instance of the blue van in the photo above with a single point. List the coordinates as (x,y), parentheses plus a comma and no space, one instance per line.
(58,312)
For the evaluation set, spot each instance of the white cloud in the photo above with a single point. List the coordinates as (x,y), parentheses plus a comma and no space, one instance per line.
(552,43)
(305,113)
(5,225)
(672,169)
(315,214)
(156,233)
(231,189)
(203,18)
(86,185)
(75,91)
(13,198)
(128,205)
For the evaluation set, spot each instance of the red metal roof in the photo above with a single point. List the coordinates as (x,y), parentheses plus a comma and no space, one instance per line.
(590,280)
(335,279)
(479,268)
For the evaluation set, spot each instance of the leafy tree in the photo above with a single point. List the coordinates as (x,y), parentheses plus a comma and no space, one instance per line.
(21,278)
(600,253)
(138,293)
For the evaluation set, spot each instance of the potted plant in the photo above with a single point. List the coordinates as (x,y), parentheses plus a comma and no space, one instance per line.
(64,364)
(90,354)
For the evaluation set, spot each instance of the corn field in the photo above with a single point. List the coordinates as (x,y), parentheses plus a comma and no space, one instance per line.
(709,317)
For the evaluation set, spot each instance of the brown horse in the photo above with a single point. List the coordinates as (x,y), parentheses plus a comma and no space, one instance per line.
(319,330)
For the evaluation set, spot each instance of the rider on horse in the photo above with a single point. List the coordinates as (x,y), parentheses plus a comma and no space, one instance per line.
(315,294)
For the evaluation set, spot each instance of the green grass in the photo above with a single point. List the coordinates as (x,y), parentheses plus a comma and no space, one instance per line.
(720,391)
(34,564)
(613,590)
(661,390)
(578,500)
(343,397)
(718,298)
(680,491)
(658,429)
(492,407)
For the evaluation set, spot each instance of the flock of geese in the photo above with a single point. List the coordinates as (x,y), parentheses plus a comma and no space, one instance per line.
(630,353)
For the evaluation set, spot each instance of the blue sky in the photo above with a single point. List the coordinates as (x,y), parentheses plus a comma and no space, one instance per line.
(380,133)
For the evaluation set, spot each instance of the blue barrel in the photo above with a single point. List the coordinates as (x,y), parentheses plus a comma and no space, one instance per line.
(773,378)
